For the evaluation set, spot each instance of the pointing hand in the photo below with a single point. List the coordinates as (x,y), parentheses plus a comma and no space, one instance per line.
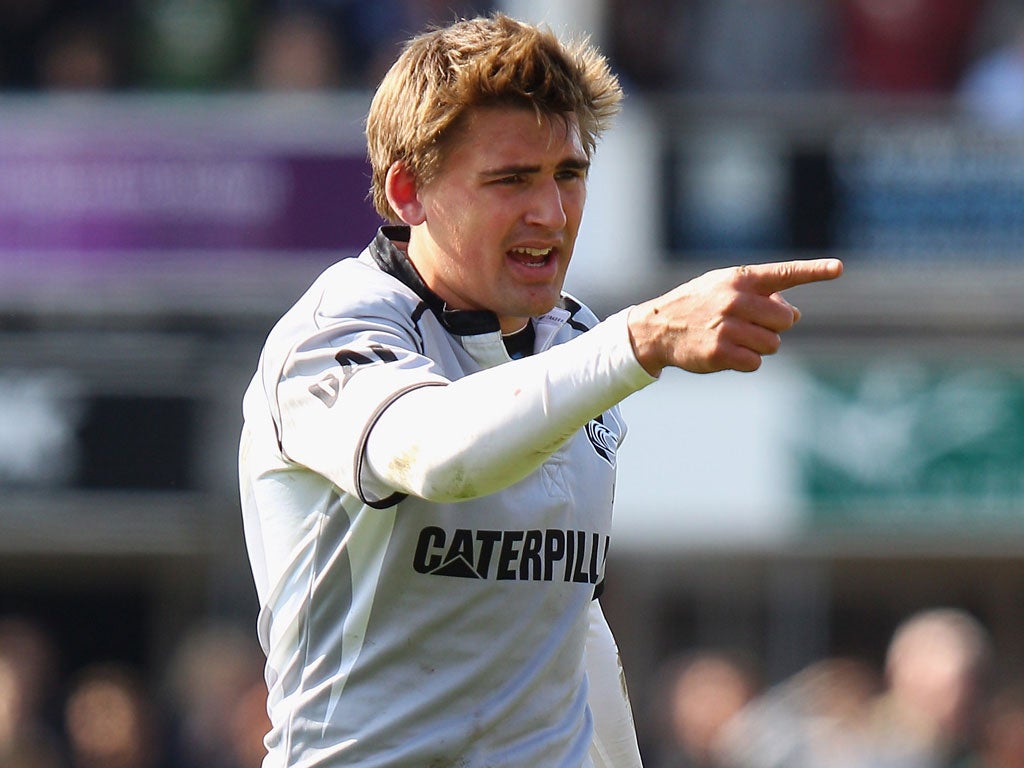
(726,319)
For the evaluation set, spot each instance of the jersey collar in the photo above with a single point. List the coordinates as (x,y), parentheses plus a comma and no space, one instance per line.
(394,261)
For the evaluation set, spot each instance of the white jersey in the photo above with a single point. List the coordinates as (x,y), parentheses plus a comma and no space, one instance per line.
(401,631)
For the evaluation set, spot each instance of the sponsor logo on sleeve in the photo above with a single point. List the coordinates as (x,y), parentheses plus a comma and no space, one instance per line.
(327,388)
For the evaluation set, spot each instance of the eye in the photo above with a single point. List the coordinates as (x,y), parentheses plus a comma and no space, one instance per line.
(509,180)
(570,174)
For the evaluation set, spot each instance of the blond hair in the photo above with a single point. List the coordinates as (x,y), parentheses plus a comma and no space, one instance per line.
(485,61)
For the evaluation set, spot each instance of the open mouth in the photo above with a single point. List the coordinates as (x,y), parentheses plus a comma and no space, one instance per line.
(532,257)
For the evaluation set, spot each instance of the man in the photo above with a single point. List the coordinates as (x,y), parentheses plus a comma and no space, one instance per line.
(427,463)
(937,666)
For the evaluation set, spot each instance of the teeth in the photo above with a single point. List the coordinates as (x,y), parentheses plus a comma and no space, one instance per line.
(535,252)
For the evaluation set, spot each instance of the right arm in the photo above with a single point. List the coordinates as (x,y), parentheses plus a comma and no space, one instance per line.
(493,428)
(490,429)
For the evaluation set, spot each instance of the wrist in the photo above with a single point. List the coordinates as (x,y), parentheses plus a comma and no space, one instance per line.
(643,339)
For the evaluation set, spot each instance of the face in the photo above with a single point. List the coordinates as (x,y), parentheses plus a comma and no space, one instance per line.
(495,229)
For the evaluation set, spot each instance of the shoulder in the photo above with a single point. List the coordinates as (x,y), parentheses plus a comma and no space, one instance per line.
(353,292)
(357,287)
(351,298)
(581,318)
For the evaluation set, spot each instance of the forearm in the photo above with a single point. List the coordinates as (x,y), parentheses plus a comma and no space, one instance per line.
(488,430)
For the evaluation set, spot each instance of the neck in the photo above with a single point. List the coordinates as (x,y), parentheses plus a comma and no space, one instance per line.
(510,328)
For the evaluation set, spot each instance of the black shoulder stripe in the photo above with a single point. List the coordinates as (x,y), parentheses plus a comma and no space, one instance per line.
(421,309)
(418,312)
(573,307)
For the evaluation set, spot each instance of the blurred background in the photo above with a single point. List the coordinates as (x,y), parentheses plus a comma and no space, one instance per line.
(173,173)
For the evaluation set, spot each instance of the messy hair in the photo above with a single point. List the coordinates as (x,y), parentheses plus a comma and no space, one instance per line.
(481,62)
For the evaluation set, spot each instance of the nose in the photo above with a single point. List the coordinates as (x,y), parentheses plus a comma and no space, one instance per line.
(547,208)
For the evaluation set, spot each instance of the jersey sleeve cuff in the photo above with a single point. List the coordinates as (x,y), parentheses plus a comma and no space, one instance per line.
(613,337)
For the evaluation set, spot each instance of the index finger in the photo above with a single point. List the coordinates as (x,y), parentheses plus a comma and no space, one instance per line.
(777,276)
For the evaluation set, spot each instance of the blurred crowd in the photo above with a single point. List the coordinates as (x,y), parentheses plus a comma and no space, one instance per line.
(206,708)
(939,700)
(746,46)
(936,47)
(157,45)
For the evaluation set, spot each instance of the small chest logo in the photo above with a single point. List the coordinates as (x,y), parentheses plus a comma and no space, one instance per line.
(603,440)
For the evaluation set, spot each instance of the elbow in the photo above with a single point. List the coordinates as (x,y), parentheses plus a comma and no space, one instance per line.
(448,482)
(455,484)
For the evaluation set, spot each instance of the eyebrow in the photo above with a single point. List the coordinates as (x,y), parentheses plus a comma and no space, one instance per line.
(513,170)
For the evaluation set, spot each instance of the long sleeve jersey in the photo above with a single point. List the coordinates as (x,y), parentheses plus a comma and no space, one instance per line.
(428,521)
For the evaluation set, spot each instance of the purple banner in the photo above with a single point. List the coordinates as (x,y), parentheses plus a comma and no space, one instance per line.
(104,196)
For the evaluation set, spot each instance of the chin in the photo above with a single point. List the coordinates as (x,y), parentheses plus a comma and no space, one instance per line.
(540,308)
(532,303)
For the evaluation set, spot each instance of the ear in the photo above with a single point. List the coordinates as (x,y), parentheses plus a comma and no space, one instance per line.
(403,195)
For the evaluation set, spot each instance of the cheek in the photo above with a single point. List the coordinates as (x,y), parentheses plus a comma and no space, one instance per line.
(573,203)
(446,221)
(444,212)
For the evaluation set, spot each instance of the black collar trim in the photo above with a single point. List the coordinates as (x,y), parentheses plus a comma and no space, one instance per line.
(393,260)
